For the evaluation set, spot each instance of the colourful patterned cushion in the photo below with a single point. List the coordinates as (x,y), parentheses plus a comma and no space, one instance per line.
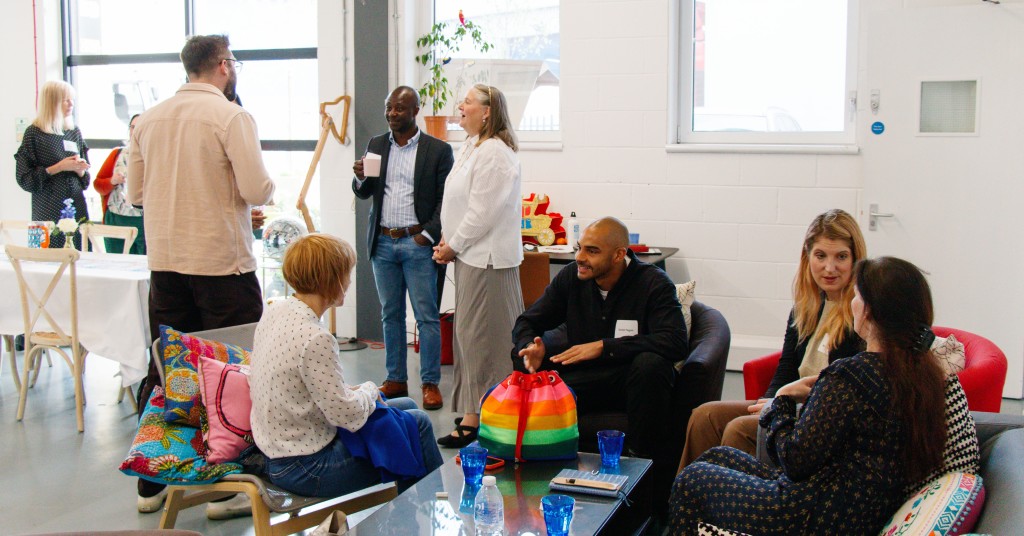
(170,453)
(948,505)
(181,381)
(225,423)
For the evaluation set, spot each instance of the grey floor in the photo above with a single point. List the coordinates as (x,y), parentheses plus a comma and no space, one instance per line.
(53,478)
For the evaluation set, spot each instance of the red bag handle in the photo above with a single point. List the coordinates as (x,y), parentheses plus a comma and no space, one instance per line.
(527,382)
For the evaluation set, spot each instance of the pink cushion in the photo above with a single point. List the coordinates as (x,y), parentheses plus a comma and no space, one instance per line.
(225,394)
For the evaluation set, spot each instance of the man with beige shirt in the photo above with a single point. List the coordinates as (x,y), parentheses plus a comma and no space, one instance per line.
(197,168)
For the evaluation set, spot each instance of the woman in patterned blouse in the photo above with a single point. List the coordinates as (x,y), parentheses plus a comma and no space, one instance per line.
(53,160)
(871,424)
(819,331)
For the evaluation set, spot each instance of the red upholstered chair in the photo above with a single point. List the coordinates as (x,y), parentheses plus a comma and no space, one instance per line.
(982,378)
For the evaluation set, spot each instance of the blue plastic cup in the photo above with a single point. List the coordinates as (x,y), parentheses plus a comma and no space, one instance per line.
(474,460)
(557,513)
(610,442)
(634,238)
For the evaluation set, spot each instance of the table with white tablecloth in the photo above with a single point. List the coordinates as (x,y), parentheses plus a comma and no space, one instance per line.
(113,306)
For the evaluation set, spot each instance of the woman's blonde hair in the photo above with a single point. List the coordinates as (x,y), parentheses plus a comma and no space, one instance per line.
(498,125)
(318,264)
(839,225)
(50,117)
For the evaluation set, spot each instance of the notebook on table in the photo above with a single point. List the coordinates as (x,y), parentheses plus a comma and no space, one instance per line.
(575,481)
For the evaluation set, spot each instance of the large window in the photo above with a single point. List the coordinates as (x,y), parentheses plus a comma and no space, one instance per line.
(122,57)
(524,62)
(765,72)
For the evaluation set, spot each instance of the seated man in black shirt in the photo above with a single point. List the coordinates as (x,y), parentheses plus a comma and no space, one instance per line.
(624,331)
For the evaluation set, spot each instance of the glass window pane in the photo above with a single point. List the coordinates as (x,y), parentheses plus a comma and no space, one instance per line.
(524,62)
(127,26)
(259,24)
(108,95)
(282,97)
(288,169)
(769,66)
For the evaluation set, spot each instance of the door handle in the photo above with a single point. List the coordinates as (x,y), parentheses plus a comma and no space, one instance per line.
(874,214)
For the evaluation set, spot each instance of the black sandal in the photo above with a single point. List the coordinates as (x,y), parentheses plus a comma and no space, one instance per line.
(465,435)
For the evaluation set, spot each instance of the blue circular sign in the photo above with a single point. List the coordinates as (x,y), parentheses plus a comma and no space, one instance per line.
(878,127)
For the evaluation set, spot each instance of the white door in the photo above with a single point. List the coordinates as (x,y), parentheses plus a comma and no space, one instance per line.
(957,201)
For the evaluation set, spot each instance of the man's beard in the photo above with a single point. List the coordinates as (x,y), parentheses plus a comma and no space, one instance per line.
(229,89)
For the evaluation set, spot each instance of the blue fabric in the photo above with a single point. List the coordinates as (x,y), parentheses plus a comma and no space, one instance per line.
(390,439)
(401,264)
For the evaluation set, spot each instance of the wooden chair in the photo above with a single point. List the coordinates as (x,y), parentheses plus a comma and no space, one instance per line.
(266,498)
(93,232)
(15,232)
(534,276)
(33,307)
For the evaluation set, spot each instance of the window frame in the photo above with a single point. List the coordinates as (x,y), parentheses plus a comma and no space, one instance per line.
(69,61)
(680,136)
(535,140)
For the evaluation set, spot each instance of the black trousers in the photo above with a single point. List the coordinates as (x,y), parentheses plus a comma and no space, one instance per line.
(191,303)
(642,387)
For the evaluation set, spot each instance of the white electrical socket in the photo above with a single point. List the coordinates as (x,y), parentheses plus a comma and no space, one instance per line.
(876,99)
(20,124)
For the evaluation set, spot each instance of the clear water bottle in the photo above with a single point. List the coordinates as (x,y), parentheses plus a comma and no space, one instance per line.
(489,509)
(574,230)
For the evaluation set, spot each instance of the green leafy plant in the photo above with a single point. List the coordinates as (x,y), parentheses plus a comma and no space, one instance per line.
(438,46)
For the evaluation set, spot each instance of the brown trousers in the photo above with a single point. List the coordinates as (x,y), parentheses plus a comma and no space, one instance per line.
(726,423)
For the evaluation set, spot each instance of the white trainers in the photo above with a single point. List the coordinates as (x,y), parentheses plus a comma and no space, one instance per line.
(237,506)
(148,505)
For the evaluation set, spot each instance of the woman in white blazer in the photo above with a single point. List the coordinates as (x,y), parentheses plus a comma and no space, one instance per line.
(481,215)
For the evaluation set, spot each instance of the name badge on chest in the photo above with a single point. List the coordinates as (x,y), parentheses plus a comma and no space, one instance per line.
(626,328)
(70,146)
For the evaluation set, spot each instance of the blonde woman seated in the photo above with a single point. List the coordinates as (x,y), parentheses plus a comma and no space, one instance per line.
(873,425)
(818,332)
(322,436)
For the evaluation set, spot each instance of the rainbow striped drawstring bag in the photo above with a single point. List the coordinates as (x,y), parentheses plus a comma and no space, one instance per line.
(529,417)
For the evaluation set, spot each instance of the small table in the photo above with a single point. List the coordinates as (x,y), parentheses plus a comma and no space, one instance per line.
(655,259)
(113,306)
(418,511)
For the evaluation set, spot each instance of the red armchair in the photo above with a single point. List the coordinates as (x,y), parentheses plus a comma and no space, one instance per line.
(982,378)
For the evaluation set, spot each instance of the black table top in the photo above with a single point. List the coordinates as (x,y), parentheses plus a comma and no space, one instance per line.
(418,510)
(566,258)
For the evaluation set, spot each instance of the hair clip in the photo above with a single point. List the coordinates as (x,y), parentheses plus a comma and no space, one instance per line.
(924,339)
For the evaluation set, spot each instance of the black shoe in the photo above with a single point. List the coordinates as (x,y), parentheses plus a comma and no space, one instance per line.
(19,343)
(466,435)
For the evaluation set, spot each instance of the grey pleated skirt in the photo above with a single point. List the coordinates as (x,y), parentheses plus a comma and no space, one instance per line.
(487,303)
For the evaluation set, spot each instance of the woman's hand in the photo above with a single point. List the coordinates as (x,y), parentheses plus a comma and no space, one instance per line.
(72,163)
(798,390)
(755,408)
(443,253)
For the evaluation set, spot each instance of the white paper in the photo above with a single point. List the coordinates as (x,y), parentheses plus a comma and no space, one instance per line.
(625,328)
(70,146)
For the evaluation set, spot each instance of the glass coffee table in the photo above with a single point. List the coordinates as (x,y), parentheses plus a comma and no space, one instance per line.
(418,510)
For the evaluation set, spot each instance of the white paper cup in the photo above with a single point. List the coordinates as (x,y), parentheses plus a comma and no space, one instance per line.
(371,165)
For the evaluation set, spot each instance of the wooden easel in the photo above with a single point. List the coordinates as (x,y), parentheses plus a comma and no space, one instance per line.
(326,127)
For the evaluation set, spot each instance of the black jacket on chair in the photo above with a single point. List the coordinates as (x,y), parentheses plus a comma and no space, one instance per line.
(434,160)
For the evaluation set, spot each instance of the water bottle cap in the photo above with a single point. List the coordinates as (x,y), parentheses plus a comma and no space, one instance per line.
(489,480)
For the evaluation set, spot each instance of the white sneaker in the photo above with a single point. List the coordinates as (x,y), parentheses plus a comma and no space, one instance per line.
(237,506)
(148,505)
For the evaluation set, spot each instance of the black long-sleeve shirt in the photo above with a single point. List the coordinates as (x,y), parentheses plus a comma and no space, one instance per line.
(644,293)
(793,350)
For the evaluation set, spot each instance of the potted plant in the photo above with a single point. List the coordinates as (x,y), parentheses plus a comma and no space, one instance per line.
(439,44)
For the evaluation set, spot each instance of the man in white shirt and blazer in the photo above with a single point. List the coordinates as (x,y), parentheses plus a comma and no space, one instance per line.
(404,226)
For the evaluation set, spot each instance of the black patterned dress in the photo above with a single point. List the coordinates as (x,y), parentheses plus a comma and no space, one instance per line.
(840,470)
(39,151)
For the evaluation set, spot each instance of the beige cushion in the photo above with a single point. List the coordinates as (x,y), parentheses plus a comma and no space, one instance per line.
(685,292)
(950,353)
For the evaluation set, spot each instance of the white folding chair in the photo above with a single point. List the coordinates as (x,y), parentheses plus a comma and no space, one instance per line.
(34,312)
(15,232)
(93,232)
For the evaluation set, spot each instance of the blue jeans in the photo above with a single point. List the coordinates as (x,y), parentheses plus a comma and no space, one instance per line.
(333,472)
(400,264)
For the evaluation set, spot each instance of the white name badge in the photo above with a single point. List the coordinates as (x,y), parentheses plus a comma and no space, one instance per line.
(625,328)
(70,146)
(823,347)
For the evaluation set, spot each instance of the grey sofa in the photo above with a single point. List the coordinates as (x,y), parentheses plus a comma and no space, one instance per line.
(1001,438)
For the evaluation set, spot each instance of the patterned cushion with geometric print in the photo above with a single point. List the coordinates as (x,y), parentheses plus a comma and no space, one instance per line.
(707,529)
(961,454)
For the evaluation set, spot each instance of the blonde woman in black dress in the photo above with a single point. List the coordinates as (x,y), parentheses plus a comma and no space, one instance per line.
(53,160)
